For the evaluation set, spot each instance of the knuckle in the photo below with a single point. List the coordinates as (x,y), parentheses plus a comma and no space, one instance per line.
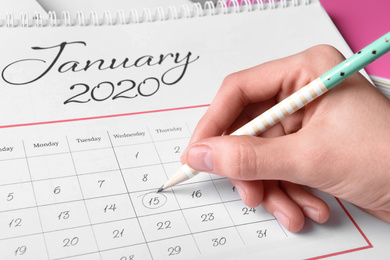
(326,55)
(243,165)
(234,85)
(231,79)
(313,62)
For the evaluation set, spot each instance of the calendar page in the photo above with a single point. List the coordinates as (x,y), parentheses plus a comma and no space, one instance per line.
(86,189)
(94,119)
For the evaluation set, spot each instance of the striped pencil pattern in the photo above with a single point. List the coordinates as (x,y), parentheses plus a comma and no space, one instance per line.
(286,107)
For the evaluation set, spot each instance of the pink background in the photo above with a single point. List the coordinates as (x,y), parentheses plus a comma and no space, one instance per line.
(361,22)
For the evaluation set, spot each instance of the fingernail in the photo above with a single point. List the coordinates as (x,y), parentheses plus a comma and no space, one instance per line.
(283,219)
(312,213)
(241,192)
(200,157)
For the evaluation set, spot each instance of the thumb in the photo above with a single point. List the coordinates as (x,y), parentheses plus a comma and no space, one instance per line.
(248,157)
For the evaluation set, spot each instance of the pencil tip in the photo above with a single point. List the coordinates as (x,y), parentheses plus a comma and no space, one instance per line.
(160,189)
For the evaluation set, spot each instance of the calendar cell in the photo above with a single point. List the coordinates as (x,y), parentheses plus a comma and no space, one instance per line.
(165,225)
(191,124)
(195,195)
(226,190)
(128,136)
(11,149)
(110,208)
(57,190)
(51,166)
(137,155)
(93,140)
(218,240)
(118,234)
(172,168)
(16,196)
(171,151)
(63,215)
(144,178)
(242,214)
(103,160)
(19,223)
(207,218)
(102,184)
(46,145)
(71,242)
(183,247)
(261,232)
(8,169)
(146,203)
(169,131)
(138,252)
(25,248)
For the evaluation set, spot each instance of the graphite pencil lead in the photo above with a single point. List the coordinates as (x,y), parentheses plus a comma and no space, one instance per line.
(160,189)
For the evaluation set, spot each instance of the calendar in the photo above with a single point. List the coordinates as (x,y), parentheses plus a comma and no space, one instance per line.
(86,189)
(94,119)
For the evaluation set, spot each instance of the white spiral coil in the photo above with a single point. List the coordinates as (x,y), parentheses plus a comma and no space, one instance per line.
(133,16)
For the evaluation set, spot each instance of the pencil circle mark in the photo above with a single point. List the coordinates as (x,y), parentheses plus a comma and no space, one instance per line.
(153,200)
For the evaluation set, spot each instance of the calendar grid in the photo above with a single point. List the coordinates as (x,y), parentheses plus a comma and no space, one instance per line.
(234,225)
(82,197)
(169,211)
(157,240)
(228,212)
(105,188)
(128,193)
(35,199)
(92,194)
(105,196)
(180,209)
(80,174)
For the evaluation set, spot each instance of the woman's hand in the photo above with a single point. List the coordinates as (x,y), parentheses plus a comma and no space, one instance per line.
(339,143)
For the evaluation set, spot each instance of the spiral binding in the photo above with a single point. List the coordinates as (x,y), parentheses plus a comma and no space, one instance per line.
(222,7)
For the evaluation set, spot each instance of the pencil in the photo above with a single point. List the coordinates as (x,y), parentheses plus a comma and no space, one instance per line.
(299,99)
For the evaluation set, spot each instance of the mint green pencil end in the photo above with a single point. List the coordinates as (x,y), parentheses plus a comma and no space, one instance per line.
(356,62)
